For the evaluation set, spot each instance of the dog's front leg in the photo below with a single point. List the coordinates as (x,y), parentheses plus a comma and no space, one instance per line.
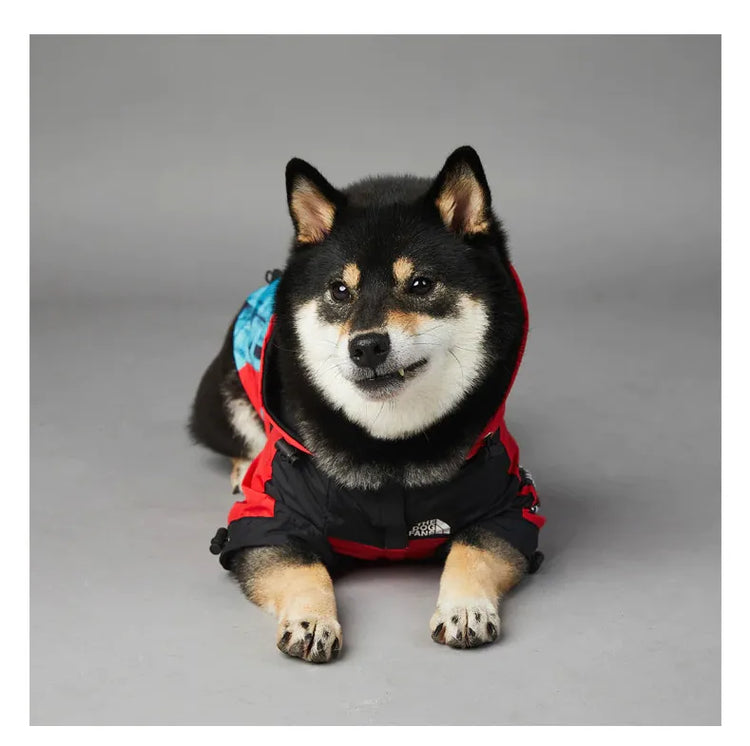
(479,570)
(294,585)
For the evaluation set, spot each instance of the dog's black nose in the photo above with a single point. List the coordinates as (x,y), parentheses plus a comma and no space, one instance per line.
(369,350)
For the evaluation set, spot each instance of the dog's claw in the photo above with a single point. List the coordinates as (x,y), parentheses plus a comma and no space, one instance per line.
(313,640)
(465,627)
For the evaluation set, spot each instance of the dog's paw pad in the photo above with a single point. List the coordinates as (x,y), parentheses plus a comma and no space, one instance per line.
(314,640)
(469,626)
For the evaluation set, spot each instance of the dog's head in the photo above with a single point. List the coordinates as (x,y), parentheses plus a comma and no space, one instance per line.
(398,291)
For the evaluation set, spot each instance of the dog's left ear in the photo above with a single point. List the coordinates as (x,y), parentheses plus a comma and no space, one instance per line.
(313,202)
(461,193)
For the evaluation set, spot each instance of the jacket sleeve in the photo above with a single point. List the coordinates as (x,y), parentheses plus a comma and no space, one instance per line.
(279,508)
(516,518)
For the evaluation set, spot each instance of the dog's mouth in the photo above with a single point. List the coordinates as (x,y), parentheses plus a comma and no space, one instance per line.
(385,384)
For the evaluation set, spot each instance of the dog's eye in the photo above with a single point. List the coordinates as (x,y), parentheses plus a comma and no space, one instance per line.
(420,286)
(340,292)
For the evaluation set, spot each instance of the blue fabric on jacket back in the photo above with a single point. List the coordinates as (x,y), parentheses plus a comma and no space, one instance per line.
(252,325)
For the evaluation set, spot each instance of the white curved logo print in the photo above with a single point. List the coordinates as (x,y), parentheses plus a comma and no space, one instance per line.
(433,527)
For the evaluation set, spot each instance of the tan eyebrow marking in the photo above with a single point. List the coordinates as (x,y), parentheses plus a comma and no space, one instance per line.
(350,276)
(403,269)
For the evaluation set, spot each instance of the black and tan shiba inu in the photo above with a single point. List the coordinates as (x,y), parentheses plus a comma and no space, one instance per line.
(361,394)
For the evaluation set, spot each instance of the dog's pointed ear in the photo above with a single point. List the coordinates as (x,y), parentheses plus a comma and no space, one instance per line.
(461,193)
(313,202)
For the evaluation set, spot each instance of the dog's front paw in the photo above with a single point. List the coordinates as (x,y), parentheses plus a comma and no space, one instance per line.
(313,640)
(467,625)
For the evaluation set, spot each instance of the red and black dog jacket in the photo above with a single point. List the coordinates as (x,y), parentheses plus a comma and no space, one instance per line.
(286,498)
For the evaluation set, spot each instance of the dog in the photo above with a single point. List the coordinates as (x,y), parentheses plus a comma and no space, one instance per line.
(361,396)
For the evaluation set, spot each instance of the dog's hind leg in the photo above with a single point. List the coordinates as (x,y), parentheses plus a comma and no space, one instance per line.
(246,423)
(479,570)
(222,417)
(294,585)
(239,469)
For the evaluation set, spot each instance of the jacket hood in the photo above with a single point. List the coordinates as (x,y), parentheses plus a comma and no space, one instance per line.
(253,329)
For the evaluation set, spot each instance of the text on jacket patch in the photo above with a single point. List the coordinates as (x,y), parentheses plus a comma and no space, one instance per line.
(433,527)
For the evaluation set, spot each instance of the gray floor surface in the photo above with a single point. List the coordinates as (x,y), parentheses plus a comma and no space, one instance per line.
(137,267)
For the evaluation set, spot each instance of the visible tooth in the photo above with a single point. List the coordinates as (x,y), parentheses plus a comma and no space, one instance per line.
(401,372)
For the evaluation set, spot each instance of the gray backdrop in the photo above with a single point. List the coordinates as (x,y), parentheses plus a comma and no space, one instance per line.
(157,204)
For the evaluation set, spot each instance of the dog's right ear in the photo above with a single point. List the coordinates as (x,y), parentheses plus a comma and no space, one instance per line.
(313,202)
(461,193)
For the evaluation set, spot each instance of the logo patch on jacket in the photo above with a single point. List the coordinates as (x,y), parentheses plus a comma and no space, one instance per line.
(433,527)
